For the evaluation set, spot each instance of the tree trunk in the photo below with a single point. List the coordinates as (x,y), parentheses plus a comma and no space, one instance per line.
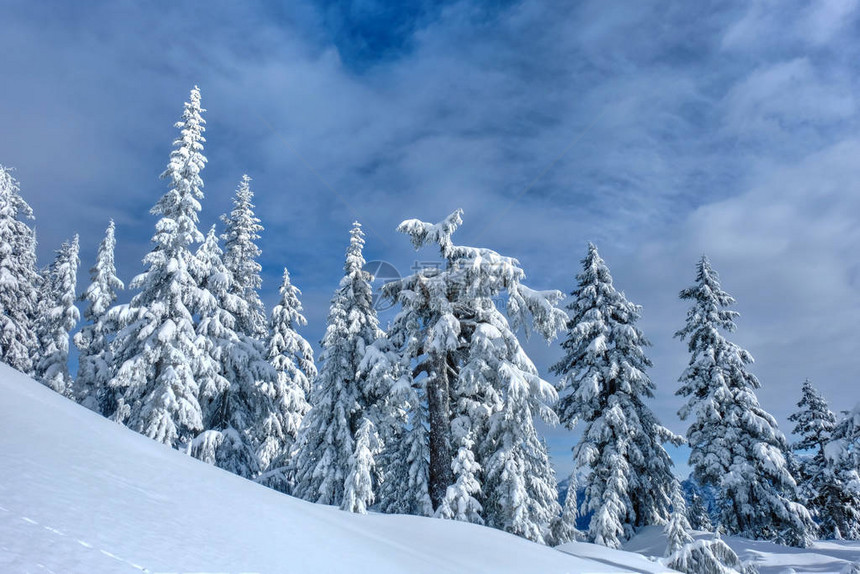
(438,402)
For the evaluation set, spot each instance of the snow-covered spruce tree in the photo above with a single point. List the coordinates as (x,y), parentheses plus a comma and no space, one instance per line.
(685,554)
(678,528)
(474,386)
(241,231)
(19,279)
(839,490)
(337,439)
(736,445)
(402,425)
(697,508)
(519,487)
(231,401)
(814,425)
(95,361)
(293,360)
(159,361)
(564,527)
(59,319)
(845,438)
(604,384)
(823,484)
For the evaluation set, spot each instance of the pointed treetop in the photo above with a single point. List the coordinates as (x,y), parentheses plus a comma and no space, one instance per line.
(354,256)
(12,205)
(290,305)
(241,230)
(815,421)
(710,302)
(182,202)
(285,344)
(102,290)
(211,236)
(243,209)
(594,268)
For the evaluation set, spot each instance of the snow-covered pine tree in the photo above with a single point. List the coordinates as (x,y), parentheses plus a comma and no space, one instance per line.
(519,487)
(242,229)
(678,528)
(604,384)
(839,491)
(359,487)
(474,386)
(697,509)
(19,279)
(231,402)
(564,527)
(405,456)
(685,554)
(293,360)
(814,425)
(822,485)
(460,502)
(59,319)
(330,454)
(159,360)
(736,445)
(845,439)
(94,360)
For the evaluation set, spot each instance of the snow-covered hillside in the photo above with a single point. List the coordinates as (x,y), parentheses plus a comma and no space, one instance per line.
(79,493)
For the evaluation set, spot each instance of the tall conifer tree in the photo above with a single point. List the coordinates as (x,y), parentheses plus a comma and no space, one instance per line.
(59,318)
(93,340)
(480,458)
(337,441)
(231,401)
(293,360)
(736,446)
(604,384)
(19,279)
(242,230)
(160,363)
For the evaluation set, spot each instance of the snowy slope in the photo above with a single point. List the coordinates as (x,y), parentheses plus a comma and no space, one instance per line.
(635,562)
(81,494)
(824,556)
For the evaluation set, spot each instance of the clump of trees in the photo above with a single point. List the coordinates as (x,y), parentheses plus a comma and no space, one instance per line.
(434,416)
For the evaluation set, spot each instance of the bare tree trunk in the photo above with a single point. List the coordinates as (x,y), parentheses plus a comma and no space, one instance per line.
(438,402)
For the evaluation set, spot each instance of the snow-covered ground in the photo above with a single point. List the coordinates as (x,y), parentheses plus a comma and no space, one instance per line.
(824,556)
(79,493)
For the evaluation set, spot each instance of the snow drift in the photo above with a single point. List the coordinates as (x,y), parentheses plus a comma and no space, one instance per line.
(79,493)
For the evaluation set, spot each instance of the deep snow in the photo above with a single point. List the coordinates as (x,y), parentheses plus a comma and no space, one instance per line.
(823,556)
(79,493)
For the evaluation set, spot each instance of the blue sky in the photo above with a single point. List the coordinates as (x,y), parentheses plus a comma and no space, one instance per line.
(658,130)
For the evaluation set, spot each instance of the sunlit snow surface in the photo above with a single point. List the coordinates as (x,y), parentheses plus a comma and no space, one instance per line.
(81,494)
(824,556)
